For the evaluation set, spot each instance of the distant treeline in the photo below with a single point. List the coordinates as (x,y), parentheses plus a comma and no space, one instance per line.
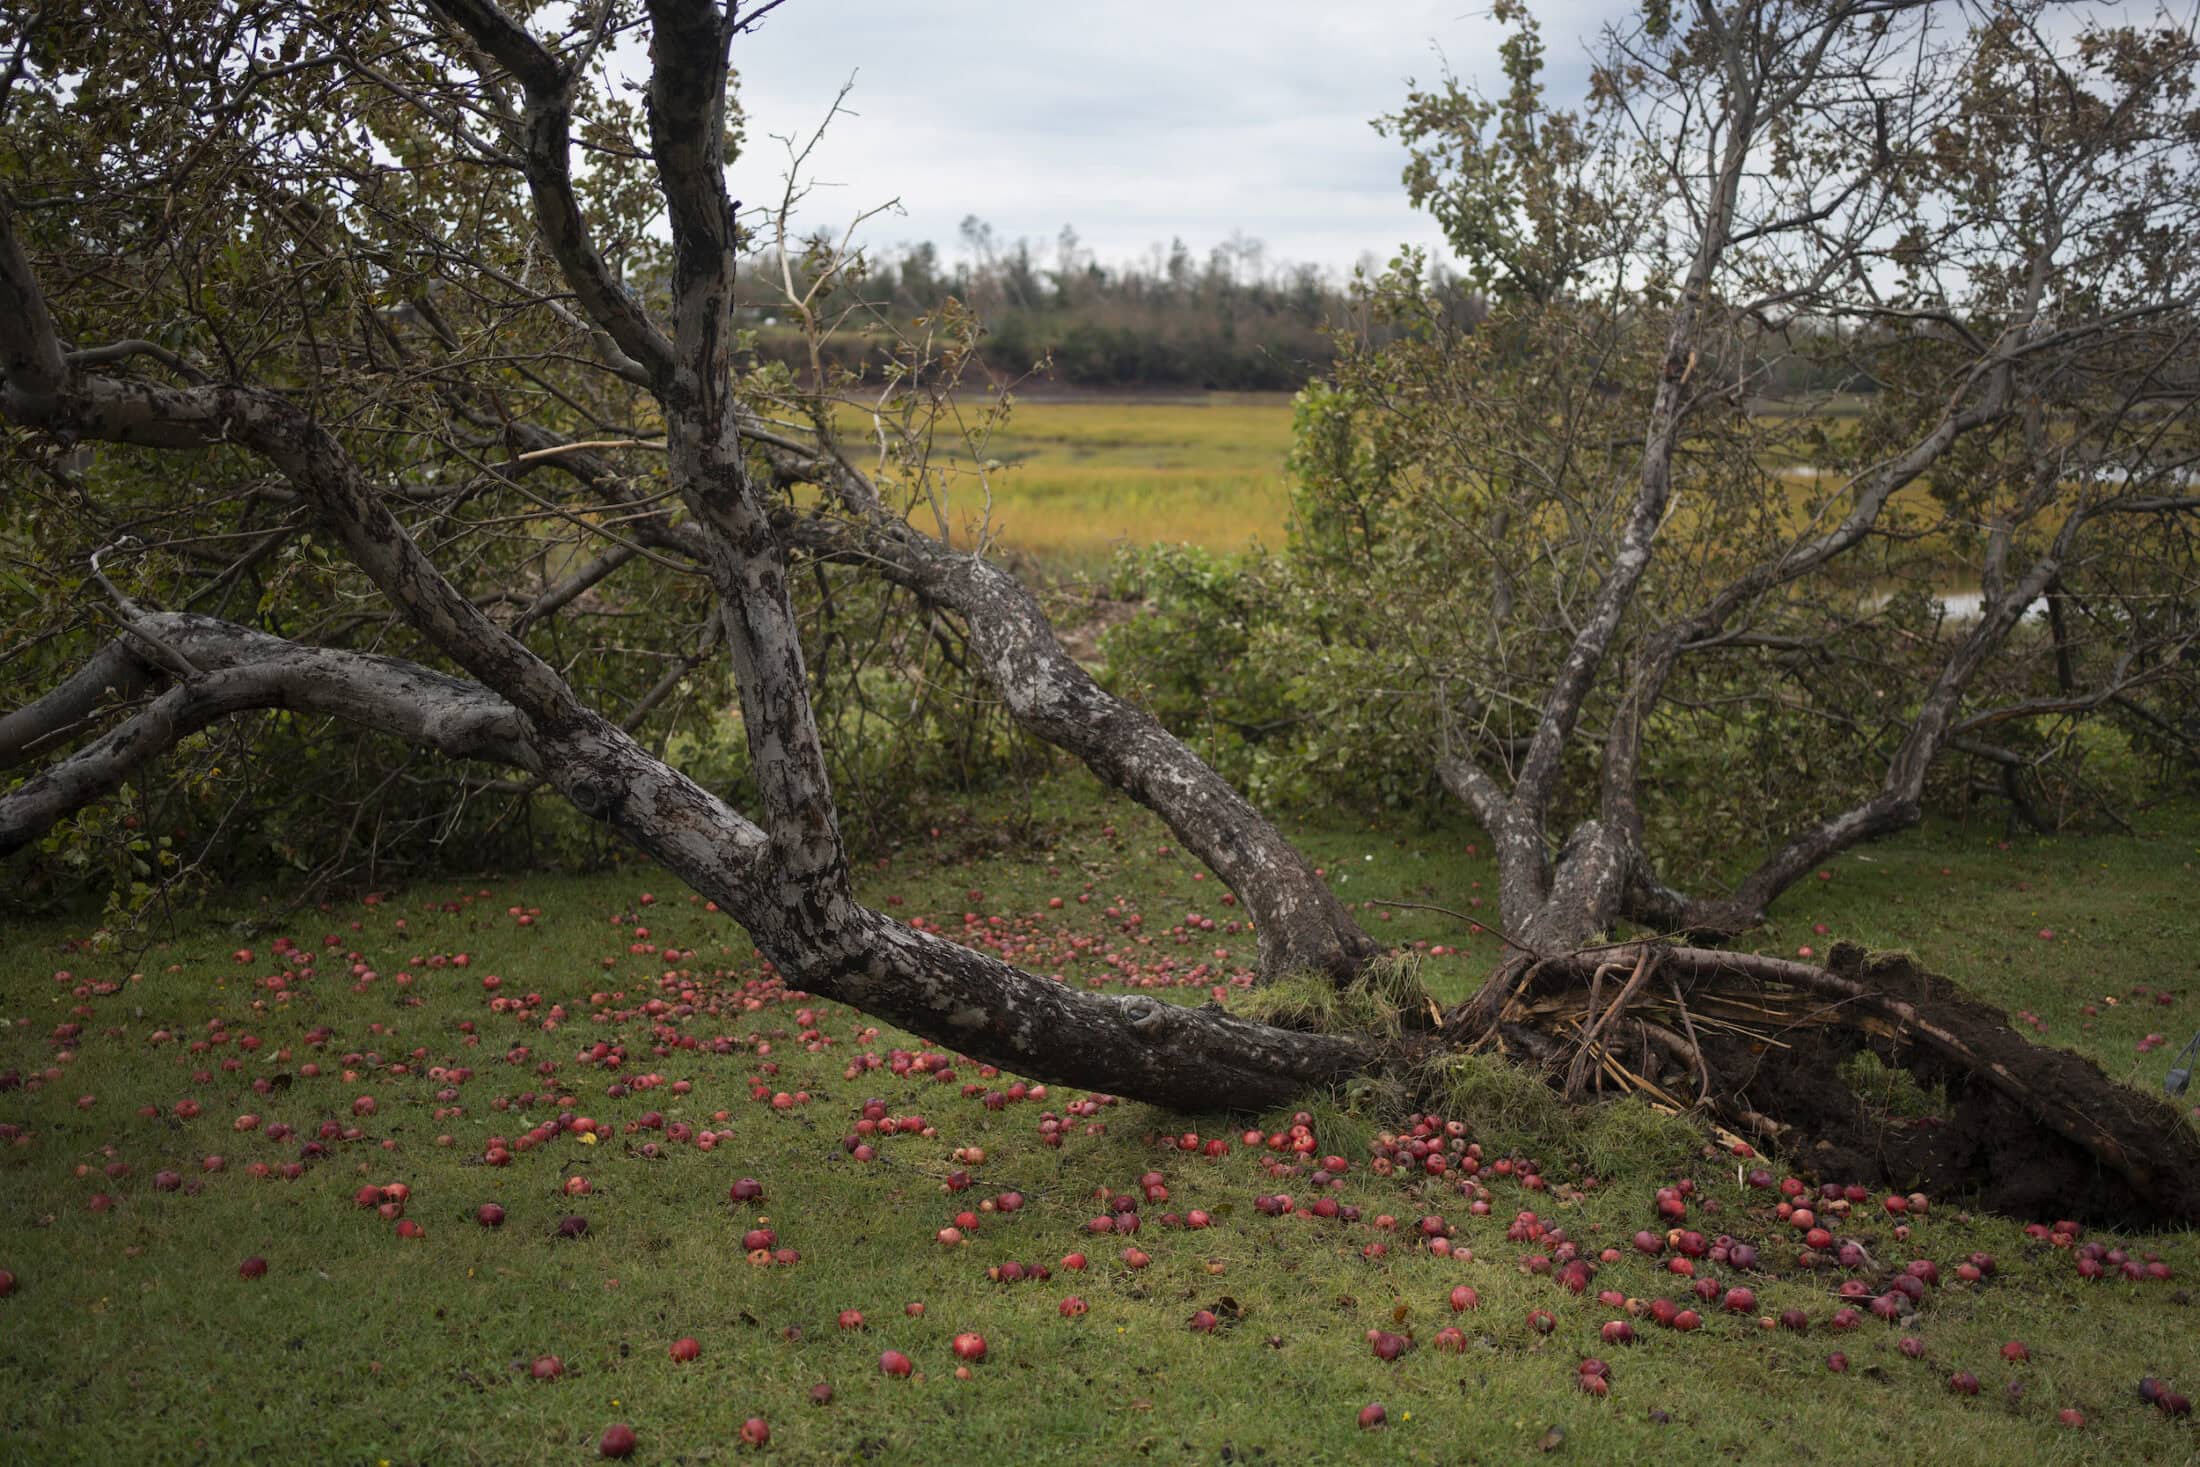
(1234,320)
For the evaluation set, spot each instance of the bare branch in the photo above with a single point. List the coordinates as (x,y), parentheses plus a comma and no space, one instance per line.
(546,156)
(123,350)
(247,670)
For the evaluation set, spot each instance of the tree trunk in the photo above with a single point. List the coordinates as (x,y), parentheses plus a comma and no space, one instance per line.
(1300,923)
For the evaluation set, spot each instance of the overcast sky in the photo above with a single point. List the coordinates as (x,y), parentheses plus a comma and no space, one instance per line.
(1134,121)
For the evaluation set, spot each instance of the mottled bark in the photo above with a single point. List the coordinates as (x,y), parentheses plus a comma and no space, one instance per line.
(1300,923)
(241,670)
(1570,903)
(785,883)
(1299,920)
(116,674)
(1190,1058)
(546,156)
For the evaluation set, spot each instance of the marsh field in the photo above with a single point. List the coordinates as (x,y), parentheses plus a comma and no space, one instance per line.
(1081,475)
(1074,477)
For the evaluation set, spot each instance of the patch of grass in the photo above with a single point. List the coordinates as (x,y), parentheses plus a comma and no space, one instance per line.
(1069,480)
(1346,1124)
(1377,1001)
(1626,1137)
(1890,1090)
(130,1337)
(1077,478)
(1509,1107)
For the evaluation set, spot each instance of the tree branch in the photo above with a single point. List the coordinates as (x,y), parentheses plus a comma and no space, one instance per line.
(546,159)
(1300,923)
(245,670)
(116,674)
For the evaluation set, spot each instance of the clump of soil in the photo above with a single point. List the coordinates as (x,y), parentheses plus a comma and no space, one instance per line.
(1762,1044)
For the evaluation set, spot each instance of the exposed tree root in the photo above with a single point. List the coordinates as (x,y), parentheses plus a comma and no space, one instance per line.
(1759,1045)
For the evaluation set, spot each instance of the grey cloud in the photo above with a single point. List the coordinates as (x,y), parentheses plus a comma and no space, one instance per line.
(1133,121)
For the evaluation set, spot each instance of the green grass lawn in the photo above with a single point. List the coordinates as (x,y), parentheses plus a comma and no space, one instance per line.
(130,1336)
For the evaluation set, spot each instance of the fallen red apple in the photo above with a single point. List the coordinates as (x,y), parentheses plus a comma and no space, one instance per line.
(968,1346)
(489,1215)
(618,1441)
(546,1367)
(1073,1306)
(252,1268)
(756,1432)
(893,1362)
(1373,1414)
(686,1348)
(850,1319)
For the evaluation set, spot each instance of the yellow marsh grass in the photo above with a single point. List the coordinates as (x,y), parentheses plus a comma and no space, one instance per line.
(1078,478)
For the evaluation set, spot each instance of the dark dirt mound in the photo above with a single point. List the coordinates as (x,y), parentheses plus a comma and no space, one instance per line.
(1762,1043)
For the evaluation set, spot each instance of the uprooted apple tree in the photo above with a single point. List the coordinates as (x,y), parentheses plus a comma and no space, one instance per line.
(363,364)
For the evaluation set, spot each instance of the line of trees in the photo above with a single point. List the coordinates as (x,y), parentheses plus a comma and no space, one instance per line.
(1236,320)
